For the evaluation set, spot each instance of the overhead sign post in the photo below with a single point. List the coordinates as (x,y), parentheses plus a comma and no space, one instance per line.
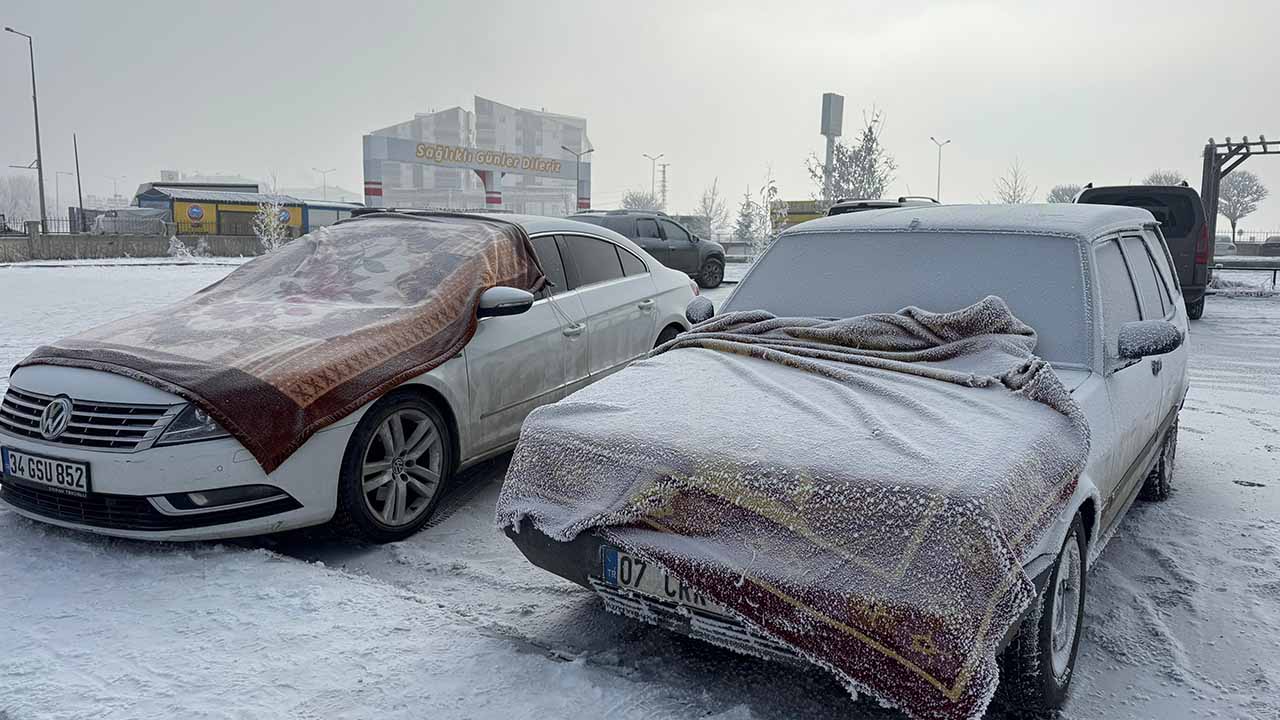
(832,123)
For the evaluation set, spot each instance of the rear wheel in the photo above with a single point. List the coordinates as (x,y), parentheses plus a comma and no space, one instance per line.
(1159,482)
(1036,668)
(397,462)
(1196,309)
(668,334)
(712,273)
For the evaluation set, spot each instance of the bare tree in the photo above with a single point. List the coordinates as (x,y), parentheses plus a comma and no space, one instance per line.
(1164,177)
(861,170)
(1239,195)
(19,199)
(1064,193)
(640,200)
(712,206)
(1015,187)
(271,223)
(772,210)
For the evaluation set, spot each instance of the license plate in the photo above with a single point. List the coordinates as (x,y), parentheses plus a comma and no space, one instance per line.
(632,573)
(70,478)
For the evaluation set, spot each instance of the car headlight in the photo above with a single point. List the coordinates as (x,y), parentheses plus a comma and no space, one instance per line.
(192,425)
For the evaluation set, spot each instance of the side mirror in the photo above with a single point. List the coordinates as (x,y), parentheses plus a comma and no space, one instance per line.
(499,301)
(700,309)
(1148,337)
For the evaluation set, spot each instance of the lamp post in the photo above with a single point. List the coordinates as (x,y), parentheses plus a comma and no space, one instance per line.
(324,182)
(577,185)
(937,193)
(35,107)
(653,170)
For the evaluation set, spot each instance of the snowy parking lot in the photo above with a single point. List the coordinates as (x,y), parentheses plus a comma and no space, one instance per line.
(1182,615)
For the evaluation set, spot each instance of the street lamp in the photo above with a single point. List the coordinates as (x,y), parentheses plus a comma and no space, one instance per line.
(937,193)
(653,169)
(324,181)
(35,107)
(577,157)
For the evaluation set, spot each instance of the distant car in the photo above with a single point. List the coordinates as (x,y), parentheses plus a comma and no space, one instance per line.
(665,239)
(1224,246)
(1182,223)
(131,221)
(150,455)
(1270,247)
(851,205)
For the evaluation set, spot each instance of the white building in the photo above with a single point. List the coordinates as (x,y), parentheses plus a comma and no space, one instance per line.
(530,172)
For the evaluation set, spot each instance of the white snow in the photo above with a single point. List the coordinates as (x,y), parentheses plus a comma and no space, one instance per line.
(1182,617)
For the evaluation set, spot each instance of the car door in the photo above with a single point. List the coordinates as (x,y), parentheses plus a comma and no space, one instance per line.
(1157,304)
(621,312)
(519,362)
(682,251)
(1134,390)
(649,238)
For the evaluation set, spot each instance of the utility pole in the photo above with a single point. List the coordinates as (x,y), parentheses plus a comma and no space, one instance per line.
(937,193)
(79,193)
(653,171)
(664,167)
(35,108)
(324,182)
(577,185)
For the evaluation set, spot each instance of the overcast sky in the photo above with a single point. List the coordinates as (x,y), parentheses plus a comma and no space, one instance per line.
(1076,91)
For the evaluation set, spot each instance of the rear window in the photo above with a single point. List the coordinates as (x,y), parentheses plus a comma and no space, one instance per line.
(1176,211)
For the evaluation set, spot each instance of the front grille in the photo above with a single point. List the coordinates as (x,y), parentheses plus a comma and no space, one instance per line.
(102,426)
(125,512)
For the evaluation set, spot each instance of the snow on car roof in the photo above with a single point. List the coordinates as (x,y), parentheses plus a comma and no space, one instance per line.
(1080,221)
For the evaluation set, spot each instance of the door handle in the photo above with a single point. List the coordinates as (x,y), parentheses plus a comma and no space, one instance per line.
(574,329)
(1156,366)
(646,305)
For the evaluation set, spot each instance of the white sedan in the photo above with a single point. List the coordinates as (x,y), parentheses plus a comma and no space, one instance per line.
(104,453)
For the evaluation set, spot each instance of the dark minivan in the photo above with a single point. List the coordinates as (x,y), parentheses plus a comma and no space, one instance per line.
(1182,221)
(666,240)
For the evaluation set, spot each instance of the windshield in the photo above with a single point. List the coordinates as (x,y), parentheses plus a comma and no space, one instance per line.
(842,274)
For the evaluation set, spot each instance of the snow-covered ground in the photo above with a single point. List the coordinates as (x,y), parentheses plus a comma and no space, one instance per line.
(1183,611)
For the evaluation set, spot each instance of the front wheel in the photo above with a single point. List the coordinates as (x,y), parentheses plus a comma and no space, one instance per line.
(396,464)
(1195,310)
(1036,668)
(712,273)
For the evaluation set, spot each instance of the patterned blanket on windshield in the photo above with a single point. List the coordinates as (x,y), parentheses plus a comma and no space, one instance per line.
(864,490)
(299,338)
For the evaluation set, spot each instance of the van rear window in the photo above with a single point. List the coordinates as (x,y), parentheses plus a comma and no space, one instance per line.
(1175,211)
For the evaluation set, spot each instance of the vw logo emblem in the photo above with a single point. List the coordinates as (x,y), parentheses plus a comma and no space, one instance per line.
(54,419)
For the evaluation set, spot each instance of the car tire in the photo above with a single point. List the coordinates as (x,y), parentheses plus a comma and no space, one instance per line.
(1037,666)
(1159,482)
(391,480)
(711,274)
(1195,310)
(668,334)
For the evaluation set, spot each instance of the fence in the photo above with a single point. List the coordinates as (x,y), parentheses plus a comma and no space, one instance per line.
(1246,236)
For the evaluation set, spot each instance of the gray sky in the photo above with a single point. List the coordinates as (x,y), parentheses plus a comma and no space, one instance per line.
(1076,91)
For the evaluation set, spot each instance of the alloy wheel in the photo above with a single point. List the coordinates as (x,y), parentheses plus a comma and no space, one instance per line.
(402,468)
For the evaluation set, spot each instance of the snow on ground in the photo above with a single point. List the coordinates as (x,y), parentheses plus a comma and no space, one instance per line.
(1182,617)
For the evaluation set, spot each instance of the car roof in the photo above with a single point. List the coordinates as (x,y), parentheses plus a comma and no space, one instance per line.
(1084,222)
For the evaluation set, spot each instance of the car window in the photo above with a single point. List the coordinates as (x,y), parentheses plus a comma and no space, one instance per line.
(1175,210)
(1119,300)
(552,265)
(631,264)
(646,228)
(674,232)
(1144,275)
(595,260)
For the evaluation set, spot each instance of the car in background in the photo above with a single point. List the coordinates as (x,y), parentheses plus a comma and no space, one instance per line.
(1270,247)
(852,205)
(155,467)
(1096,284)
(1182,223)
(665,239)
(1224,246)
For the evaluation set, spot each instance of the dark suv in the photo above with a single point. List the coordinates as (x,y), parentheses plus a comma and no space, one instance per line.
(666,240)
(1182,221)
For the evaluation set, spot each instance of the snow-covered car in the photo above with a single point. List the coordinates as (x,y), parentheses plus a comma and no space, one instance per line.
(107,453)
(1094,282)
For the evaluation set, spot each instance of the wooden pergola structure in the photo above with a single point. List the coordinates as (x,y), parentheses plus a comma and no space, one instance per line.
(1219,160)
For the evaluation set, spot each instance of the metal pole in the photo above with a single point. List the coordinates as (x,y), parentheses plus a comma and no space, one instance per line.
(577,188)
(79,193)
(324,182)
(653,171)
(937,192)
(35,108)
